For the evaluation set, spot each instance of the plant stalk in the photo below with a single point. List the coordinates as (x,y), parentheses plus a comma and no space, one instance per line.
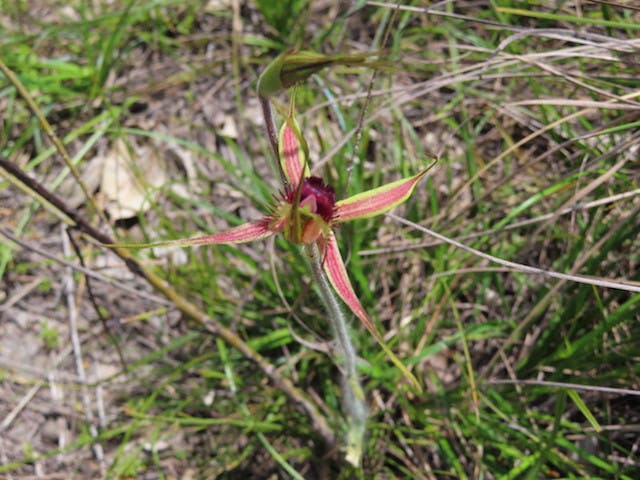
(272,133)
(354,402)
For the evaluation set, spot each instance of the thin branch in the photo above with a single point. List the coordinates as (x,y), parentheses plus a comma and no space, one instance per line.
(573,386)
(69,292)
(94,303)
(589,280)
(318,422)
(492,231)
(86,271)
(367,101)
(48,129)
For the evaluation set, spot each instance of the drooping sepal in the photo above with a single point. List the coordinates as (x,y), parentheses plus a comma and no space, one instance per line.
(336,272)
(247,232)
(378,200)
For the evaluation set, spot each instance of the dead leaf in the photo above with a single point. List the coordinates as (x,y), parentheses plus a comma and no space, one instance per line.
(131,176)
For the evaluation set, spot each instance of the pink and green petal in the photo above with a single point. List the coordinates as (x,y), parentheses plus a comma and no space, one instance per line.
(377,201)
(337,274)
(247,232)
(293,158)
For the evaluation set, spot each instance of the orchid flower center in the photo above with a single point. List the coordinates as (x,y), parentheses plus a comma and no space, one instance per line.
(311,217)
(320,198)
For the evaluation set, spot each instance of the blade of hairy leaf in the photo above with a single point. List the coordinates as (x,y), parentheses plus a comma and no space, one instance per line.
(269,82)
(247,232)
(378,200)
(293,157)
(289,68)
(337,273)
(298,66)
(292,67)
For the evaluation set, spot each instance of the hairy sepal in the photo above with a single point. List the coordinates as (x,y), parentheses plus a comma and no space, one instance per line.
(247,232)
(337,274)
(378,200)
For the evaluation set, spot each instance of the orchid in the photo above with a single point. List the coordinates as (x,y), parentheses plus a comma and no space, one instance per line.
(306,212)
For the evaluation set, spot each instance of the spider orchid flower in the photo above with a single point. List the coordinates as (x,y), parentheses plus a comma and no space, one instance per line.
(307,212)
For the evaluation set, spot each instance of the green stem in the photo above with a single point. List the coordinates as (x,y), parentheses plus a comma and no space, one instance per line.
(353,394)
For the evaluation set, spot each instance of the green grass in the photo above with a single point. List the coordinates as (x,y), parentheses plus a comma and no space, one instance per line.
(536,166)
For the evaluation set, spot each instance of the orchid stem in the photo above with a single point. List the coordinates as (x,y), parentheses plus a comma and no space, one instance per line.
(353,395)
(272,134)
